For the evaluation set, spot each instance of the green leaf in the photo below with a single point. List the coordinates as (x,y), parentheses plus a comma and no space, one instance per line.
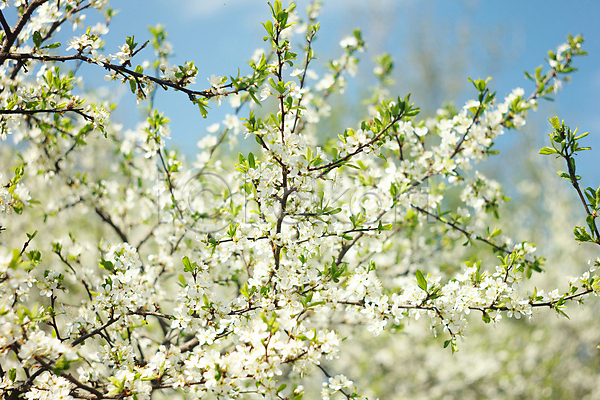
(555,123)
(581,235)
(62,364)
(581,136)
(577,148)
(547,150)
(37,39)
(202,106)
(331,210)
(245,291)
(188,265)
(269,27)
(52,46)
(591,196)
(131,42)
(251,161)
(563,174)
(18,207)
(590,222)
(421,282)
(385,227)
(132,86)
(107,265)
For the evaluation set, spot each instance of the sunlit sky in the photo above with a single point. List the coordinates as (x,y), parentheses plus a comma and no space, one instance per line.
(446,40)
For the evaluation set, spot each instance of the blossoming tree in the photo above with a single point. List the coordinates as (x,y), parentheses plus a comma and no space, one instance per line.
(136,274)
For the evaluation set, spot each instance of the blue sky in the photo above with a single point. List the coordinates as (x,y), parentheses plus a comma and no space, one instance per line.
(464,38)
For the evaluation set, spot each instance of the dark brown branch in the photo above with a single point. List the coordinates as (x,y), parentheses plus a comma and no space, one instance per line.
(85,285)
(466,233)
(10,39)
(340,161)
(25,245)
(348,396)
(309,40)
(16,393)
(147,237)
(117,68)
(574,296)
(70,378)
(106,218)
(458,147)
(573,178)
(282,214)
(423,306)
(47,111)
(49,34)
(153,314)
(5,26)
(94,332)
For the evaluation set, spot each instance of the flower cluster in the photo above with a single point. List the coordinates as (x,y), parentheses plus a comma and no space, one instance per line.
(5,200)
(183,75)
(51,386)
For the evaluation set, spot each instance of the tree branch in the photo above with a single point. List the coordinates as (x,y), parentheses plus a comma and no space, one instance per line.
(106,218)
(5,26)
(10,39)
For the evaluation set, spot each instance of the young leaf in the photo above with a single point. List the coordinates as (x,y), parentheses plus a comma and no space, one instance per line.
(555,123)
(37,39)
(547,150)
(421,282)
